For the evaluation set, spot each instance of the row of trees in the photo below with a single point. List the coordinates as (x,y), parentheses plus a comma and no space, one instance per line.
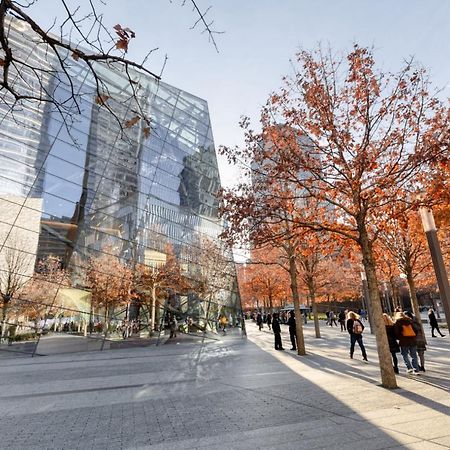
(346,155)
(113,283)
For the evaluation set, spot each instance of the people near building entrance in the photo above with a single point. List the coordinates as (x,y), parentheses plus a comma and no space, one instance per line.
(392,340)
(332,318)
(421,342)
(406,335)
(292,330)
(277,332)
(259,321)
(355,329)
(269,320)
(433,323)
(341,320)
(223,322)
(173,325)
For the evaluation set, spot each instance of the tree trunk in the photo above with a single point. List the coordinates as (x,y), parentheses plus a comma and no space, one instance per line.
(384,355)
(395,293)
(412,293)
(298,322)
(4,316)
(153,311)
(312,297)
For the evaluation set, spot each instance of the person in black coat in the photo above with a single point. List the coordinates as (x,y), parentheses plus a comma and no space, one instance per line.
(259,321)
(355,333)
(277,332)
(292,330)
(394,348)
(433,323)
(341,320)
(269,320)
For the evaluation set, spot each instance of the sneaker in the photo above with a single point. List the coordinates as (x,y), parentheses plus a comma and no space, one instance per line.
(422,369)
(410,371)
(415,372)
(365,359)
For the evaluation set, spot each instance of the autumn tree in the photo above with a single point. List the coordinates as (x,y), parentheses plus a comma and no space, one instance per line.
(155,280)
(263,280)
(356,139)
(404,240)
(212,274)
(110,282)
(38,298)
(16,268)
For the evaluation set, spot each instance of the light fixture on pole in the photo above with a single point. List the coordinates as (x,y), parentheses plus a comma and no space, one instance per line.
(429,226)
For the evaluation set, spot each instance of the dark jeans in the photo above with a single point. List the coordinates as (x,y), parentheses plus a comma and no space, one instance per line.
(278,344)
(293,337)
(357,338)
(406,352)
(343,325)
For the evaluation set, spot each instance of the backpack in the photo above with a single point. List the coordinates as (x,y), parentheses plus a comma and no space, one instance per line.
(408,331)
(357,327)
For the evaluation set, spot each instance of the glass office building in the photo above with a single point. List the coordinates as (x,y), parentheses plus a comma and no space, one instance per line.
(90,187)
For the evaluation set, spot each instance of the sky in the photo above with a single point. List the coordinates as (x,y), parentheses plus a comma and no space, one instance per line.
(260,37)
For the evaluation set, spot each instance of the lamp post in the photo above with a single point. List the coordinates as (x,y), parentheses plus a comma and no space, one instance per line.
(429,227)
(366,300)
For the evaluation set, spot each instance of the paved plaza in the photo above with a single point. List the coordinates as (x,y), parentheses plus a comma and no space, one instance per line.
(230,393)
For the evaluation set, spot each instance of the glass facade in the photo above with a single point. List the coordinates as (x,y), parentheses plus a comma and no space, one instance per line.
(89,188)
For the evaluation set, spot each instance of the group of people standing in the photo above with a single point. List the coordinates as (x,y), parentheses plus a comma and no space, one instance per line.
(405,336)
(404,332)
(274,321)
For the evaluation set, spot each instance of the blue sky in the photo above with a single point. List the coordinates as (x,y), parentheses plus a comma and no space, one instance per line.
(261,36)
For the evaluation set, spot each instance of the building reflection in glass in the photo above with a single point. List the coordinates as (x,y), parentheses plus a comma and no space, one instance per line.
(80,192)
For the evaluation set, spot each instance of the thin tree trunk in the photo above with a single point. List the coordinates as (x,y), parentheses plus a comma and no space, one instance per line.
(413,295)
(4,316)
(384,355)
(312,297)
(153,311)
(395,294)
(298,323)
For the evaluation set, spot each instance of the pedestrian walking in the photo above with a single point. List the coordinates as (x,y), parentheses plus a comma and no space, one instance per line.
(328,318)
(269,320)
(277,332)
(292,330)
(394,348)
(355,329)
(341,320)
(332,319)
(421,341)
(406,336)
(433,323)
(173,325)
(223,323)
(259,321)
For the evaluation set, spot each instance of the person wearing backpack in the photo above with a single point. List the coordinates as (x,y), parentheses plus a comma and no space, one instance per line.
(404,330)
(421,341)
(355,329)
